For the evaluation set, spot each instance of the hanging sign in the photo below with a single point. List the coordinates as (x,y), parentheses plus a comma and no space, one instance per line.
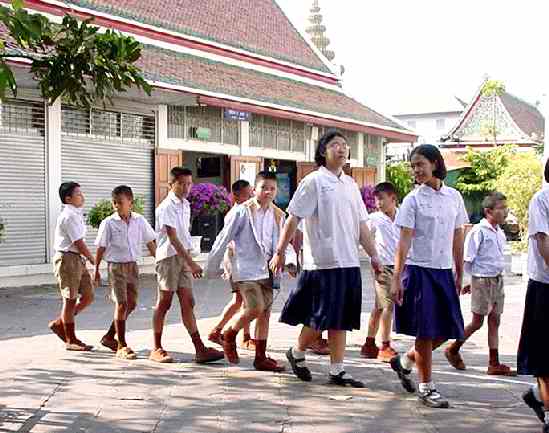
(236,115)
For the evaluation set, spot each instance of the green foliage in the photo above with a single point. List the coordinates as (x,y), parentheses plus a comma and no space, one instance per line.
(520,180)
(103,209)
(72,60)
(486,168)
(493,88)
(400,175)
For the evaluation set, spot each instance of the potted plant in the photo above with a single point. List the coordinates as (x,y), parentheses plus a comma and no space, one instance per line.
(103,208)
(368,198)
(209,202)
(520,180)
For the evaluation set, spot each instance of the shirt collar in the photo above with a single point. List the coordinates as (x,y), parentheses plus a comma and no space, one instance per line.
(73,209)
(117,217)
(331,175)
(258,206)
(444,190)
(484,223)
(174,198)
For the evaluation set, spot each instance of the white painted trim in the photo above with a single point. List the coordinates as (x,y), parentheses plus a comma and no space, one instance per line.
(274,154)
(162,126)
(274,106)
(382,165)
(53,172)
(360,145)
(201,146)
(188,37)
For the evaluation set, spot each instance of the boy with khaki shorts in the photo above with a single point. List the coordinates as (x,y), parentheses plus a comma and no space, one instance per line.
(254,227)
(175,267)
(119,240)
(71,252)
(386,234)
(485,262)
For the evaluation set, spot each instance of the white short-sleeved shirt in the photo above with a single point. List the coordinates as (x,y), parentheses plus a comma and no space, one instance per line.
(333,210)
(386,234)
(264,225)
(484,250)
(123,241)
(434,216)
(70,228)
(538,222)
(175,213)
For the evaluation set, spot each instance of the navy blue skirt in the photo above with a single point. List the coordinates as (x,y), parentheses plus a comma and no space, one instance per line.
(431,306)
(533,356)
(326,299)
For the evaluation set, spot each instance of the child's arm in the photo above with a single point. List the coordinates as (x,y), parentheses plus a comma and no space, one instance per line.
(367,242)
(232,227)
(288,232)
(83,249)
(98,258)
(149,236)
(404,244)
(151,246)
(196,270)
(457,250)
(473,241)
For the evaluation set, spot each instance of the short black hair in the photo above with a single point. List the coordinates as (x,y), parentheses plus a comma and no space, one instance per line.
(546,172)
(265,175)
(492,199)
(239,185)
(386,187)
(178,172)
(122,190)
(432,153)
(66,189)
(320,152)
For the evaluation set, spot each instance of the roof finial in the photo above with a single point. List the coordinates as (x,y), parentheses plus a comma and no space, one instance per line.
(317,32)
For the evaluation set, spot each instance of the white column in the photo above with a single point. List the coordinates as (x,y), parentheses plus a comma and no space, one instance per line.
(244,137)
(382,164)
(54,179)
(360,153)
(310,152)
(162,127)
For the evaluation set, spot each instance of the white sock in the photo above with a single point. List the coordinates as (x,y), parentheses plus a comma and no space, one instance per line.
(336,368)
(406,362)
(535,390)
(426,386)
(297,354)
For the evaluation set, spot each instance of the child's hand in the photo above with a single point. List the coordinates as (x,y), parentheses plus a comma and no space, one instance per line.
(97,278)
(196,270)
(466,290)
(292,270)
(397,291)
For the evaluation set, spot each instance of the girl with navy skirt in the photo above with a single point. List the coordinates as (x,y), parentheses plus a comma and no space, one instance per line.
(329,291)
(426,290)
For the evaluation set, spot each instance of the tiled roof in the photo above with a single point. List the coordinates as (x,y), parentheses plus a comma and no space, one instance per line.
(203,74)
(527,117)
(258,26)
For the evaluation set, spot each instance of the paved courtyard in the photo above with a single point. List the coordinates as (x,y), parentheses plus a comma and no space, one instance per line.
(46,389)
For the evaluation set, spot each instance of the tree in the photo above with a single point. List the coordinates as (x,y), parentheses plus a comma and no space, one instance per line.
(400,175)
(520,180)
(72,60)
(486,168)
(492,89)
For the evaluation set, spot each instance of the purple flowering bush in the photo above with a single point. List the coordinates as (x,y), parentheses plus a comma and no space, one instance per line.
(208,199)
(368,198)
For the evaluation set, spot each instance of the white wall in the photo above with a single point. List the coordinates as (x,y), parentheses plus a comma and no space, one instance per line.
(426,125)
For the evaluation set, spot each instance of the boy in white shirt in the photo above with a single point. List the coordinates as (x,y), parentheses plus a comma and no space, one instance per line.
(532,356)
(386,234)
(175,267)
(485,262)
(71,252)
(120,239)
(254,227)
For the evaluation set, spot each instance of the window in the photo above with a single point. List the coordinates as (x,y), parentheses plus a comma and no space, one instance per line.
(23,117)
(441,123)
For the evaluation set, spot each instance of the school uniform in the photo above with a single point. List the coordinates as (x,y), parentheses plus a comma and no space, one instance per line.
(386,236)
(254,233)
(430,306)
(172,270)
(329,291)
(533,358)
(123,242)
(484,260)
(69,266)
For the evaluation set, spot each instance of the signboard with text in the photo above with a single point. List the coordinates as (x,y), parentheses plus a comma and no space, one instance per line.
(236,115)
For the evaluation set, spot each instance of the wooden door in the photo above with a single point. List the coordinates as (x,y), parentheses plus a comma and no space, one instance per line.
(165,160)
(238,168)
(304,168)
(364,176)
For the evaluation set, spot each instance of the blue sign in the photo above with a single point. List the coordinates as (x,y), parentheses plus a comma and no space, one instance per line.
(236,115)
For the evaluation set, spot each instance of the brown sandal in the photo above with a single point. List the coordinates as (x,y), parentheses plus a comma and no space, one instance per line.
(126,353)
(110,343)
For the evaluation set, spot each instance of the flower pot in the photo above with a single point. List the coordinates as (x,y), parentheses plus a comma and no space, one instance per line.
(519,264)
(207,227)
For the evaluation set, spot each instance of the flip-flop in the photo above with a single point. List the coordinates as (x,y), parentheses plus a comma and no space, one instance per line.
(126,353)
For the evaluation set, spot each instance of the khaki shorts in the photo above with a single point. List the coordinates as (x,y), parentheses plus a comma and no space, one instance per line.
(257,294)
(124,281)
(383,298)
(72,276)
(173,273)
(487,295)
